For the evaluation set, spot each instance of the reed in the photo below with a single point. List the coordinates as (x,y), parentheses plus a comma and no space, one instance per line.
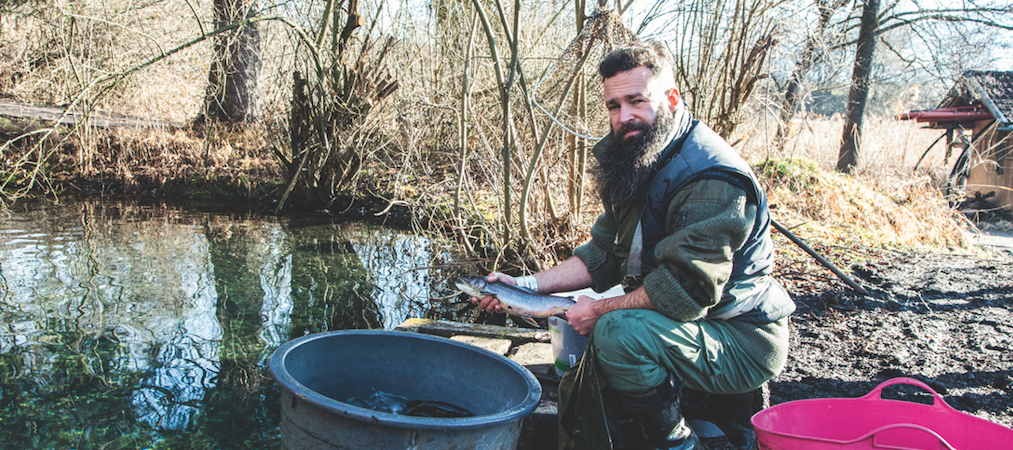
(423,148)
(885,203)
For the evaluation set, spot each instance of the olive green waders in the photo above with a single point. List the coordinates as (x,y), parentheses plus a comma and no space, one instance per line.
(632,351)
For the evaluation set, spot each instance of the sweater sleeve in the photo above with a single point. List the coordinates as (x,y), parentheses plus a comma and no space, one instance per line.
(601,263)
(707,222)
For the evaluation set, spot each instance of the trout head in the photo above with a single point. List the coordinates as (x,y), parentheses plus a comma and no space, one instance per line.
(471,285)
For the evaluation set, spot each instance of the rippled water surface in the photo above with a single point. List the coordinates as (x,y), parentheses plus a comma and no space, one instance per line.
(128,325)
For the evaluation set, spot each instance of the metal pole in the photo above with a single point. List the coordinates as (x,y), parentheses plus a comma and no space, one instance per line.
(829,265)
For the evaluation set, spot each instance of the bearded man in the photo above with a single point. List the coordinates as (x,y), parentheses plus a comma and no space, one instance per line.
(686,230)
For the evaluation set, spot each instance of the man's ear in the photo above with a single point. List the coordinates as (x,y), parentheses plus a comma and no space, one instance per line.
(673,99)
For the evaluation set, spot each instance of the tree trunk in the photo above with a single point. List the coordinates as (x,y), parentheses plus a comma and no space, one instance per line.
(851,142)
(232,80)
(814,49)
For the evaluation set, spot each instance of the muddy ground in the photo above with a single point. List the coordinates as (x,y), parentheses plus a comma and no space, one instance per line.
(944,319)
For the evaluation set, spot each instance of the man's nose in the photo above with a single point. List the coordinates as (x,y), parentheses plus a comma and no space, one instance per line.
(626,114)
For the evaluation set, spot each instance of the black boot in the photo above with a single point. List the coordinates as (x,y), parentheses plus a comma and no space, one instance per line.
(730,413)
(658,416)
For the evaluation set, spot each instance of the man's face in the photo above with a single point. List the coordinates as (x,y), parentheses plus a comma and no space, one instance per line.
(633,101)
(642,113)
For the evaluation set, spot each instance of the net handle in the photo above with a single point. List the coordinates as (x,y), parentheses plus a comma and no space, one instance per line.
(553,116)
(562,99)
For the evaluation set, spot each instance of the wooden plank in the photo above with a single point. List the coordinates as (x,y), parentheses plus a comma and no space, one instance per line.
(98,119)
(446,328)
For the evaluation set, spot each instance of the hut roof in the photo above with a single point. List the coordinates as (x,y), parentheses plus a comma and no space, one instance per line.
(993,90)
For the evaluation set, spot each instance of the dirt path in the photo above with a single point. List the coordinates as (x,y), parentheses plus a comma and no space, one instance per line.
(943,319)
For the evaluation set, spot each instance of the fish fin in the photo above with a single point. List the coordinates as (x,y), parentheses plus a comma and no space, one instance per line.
(528,319)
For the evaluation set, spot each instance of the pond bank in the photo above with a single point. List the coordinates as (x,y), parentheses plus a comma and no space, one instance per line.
(531,349)
(943,319)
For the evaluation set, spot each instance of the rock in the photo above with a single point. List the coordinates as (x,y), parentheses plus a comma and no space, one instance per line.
(533,353)
(500,346)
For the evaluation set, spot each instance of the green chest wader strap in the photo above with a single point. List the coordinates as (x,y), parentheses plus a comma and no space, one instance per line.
(582,421)
(634,261)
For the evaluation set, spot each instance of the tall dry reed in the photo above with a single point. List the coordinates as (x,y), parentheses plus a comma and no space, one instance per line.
(411,141)
(885,203)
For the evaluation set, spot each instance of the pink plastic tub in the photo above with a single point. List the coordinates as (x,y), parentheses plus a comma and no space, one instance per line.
(872,422)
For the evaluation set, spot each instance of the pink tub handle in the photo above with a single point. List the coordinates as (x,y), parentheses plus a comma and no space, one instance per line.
(881,429)
(937,402)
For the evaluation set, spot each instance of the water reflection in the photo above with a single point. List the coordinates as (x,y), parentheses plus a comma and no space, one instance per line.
(186,348)
(276,282)
(131,325)
(398,267)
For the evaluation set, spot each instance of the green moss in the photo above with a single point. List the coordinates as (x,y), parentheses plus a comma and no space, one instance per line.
(218,188)
(797,175)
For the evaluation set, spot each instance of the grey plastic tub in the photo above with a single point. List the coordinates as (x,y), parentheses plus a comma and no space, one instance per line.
(319,373)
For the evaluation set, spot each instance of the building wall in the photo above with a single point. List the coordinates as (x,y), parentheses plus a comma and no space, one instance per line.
(992,165)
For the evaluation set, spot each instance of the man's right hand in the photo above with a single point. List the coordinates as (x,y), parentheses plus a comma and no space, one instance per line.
(490,303)
(584,315)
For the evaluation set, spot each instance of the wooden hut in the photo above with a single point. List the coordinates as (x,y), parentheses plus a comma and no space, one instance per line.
(976,115)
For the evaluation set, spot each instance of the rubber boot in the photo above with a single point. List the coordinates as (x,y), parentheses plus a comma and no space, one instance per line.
(730,413)
(658,416)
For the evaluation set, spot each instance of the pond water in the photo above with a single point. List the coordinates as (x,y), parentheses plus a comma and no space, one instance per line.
(141,325)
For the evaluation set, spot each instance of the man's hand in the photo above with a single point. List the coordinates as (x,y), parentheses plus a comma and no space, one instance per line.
(583,315)
(586,312)
(490,303)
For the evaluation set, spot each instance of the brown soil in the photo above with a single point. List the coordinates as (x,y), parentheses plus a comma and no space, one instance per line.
(946,320)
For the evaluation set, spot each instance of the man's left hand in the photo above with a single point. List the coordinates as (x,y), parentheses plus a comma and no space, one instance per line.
(583,315)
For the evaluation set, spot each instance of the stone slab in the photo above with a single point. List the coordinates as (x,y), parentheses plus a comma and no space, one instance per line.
(501,346)
(533,353)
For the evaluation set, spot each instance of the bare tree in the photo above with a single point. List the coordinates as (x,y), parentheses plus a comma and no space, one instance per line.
(872,28)
(859,95)
(813,52)
(232,81)
(720,51)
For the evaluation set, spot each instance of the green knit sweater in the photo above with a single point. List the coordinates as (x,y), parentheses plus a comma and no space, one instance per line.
(706,222)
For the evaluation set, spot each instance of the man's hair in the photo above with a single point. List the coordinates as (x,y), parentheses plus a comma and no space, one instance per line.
(650,54)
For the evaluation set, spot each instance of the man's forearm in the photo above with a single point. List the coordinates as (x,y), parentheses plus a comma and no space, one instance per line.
(569,275)
(585,314)
(636,299)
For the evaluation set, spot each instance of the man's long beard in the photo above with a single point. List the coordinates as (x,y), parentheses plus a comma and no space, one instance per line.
(626,164)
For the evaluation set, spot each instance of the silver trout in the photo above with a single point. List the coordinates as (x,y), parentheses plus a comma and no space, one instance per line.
(515,300)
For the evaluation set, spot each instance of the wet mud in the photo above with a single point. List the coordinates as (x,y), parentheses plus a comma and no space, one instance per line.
(946,320)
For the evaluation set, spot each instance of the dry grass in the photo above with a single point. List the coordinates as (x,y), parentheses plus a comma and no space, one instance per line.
(145,158)
(203,162)
(52,55)
(412,155)
(885,203)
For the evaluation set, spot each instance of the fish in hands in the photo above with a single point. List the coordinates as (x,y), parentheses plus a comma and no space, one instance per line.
(516,300)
